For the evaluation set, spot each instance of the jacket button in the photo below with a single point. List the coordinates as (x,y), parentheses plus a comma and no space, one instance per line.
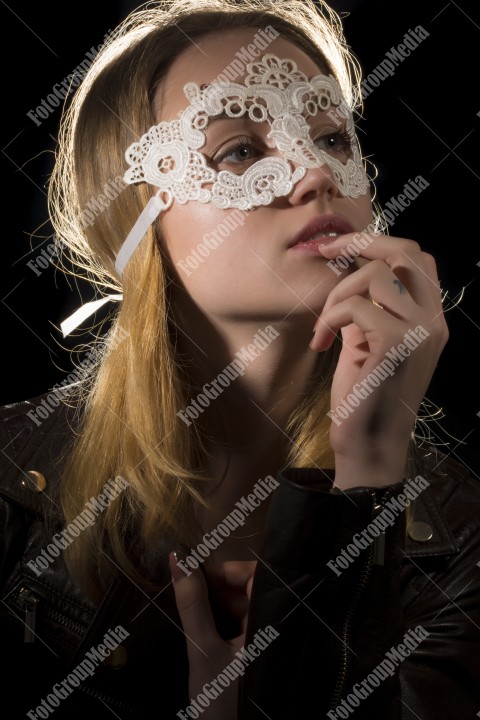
(420,532)
(117,658)
(35,481)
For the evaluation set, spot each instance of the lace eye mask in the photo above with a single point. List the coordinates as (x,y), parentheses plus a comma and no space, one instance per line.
(168,155)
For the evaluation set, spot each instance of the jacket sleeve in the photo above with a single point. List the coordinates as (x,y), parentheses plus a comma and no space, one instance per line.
(14,432)
(330,591)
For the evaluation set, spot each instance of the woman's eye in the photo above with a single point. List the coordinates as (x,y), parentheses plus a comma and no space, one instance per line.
(242,151)
(340,143)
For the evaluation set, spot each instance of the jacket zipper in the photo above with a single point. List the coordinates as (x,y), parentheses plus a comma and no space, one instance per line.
(27,602)
(376,556)
(118,704)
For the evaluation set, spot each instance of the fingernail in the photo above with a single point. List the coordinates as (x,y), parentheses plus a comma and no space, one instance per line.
(325,247)
(176,571)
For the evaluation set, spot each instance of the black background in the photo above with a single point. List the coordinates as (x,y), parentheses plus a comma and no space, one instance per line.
(425,120)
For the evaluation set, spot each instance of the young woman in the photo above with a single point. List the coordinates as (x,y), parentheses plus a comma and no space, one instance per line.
(225,514)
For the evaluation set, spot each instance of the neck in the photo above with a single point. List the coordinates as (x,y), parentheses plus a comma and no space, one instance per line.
(247,375)
(244,423)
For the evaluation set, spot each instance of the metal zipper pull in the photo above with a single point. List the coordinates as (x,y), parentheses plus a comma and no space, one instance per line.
(28,603)
(379,544)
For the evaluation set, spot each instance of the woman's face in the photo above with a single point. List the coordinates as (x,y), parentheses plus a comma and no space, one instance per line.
(252,274)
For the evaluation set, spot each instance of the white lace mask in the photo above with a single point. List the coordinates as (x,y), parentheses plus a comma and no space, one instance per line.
(276,92)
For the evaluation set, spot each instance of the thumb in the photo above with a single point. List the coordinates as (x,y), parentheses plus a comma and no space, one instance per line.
(193,605)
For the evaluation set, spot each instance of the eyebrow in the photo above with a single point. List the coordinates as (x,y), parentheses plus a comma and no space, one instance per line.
(213,118)
(243,119)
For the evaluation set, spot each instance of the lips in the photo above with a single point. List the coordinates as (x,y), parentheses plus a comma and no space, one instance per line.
(322,230)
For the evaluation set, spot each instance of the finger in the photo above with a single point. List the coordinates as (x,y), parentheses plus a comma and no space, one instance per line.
(193,604)
(438,319)
(375,280)
(431,270)
(249,586)
(404,257)
(358,310)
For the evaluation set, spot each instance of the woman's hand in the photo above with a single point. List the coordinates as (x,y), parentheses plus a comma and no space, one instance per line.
(390,301)
(208,653)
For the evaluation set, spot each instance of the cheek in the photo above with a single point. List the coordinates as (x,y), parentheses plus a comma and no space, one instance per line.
(179,231)
(207,246)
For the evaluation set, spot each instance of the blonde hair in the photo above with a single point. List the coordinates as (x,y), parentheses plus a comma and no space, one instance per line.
(128,423)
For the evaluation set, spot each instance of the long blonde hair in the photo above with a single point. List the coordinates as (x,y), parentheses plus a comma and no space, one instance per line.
(128,424)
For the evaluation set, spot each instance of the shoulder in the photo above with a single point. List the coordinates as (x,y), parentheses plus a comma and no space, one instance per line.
(443,535)
(452,497)
(35,436)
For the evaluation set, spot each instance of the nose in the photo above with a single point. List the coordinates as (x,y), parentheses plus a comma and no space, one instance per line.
(315,184)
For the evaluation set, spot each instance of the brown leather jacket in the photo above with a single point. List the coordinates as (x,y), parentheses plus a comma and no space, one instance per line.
(366,623)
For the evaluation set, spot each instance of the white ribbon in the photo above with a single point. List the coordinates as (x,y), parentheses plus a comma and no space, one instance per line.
(148,215)
(85,311)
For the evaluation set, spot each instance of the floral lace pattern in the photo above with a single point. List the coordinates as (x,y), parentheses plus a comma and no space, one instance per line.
(275,91)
